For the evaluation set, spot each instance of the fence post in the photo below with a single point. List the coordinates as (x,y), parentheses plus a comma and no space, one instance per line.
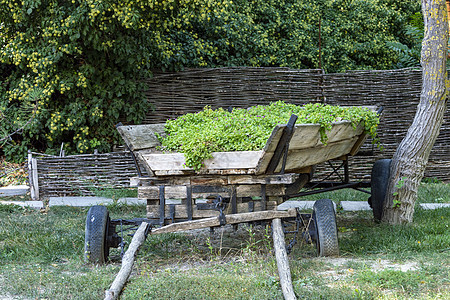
(33,177)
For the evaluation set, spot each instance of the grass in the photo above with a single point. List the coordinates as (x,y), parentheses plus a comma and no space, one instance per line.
(41,257)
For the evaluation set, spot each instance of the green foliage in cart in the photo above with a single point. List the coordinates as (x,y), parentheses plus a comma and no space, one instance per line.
(199,134)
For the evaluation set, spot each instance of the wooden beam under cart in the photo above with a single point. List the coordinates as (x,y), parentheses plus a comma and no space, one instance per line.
(230,219)
(287,178)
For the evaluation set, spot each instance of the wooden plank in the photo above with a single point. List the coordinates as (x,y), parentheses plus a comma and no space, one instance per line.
(139,137)
(34,178)
(209,180)
(170,180)
(308,157)
(308,136)
(171,192)
(275,199)
(298,159)
(343,130)
(305,136)
(254,190)
(174,172)
(230,219)
(180,192)
(181,212)
(219,161)
(205,172)
(273,139)
(263,163)
(166,161)
(233,160)
(142,162)
(264,179)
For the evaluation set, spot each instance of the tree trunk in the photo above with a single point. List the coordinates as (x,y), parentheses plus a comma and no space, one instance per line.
(410,159)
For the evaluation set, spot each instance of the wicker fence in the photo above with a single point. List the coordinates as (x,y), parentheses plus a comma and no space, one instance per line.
(173,94)
(78,174)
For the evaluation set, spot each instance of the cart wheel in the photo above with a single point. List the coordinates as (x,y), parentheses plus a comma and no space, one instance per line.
(326,230)
(379,184)
(96,249)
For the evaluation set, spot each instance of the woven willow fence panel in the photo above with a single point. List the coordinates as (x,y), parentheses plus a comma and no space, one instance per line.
(83,174)
(174,94)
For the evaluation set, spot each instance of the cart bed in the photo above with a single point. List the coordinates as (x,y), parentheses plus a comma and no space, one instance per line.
(305,149)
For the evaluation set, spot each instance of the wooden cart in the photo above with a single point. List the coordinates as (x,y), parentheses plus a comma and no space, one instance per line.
(233,187)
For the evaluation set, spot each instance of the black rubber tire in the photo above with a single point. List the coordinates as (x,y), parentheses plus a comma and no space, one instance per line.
(379,184)
(96,249)
(325,222)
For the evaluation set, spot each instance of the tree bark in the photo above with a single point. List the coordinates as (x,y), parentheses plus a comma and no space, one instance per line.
(410,159)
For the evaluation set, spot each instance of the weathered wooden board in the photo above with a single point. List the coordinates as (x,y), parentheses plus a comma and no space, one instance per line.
(139,137)
(263,179)
(301,158)
(153,211)
(170,192)
(308,136)
(180,192)
(204,172)
(219,161)
(230,219)
(216,180)
(255,190)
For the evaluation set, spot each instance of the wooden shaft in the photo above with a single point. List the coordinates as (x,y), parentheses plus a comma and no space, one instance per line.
(282,260)
(127,263)
(230,219)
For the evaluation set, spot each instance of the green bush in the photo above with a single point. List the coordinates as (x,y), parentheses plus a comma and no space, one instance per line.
(75,67)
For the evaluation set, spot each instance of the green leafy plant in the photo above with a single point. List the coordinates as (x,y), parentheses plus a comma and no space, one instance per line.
(199,134)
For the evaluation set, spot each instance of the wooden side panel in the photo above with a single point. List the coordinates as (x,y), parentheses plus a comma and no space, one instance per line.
(205,172)
(139,137)
(273,139)
(220,161)
(306,149)
(307,157)
(343,131)
(166,161)
(305,136)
